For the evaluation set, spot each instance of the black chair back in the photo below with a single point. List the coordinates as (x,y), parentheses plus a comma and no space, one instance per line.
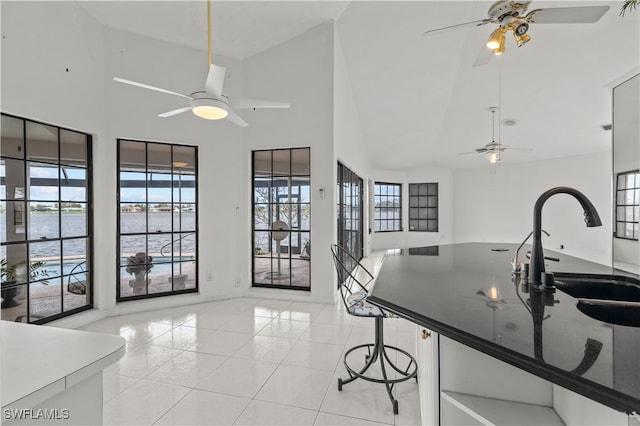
(353,278)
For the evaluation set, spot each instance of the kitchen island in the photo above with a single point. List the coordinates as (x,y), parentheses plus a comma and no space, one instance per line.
(54,376)
(486,340)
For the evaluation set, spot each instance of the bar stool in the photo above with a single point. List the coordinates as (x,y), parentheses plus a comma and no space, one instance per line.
(354,281)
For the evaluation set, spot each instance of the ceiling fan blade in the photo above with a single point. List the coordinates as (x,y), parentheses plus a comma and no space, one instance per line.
(215,80)
(567,15)
(457,27)
(236,119)
(465,153)
(146,86)
(174,112)
(484,57)
(519,149)
(245,103)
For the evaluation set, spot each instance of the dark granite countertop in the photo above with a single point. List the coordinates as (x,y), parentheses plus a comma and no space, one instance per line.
(467,293)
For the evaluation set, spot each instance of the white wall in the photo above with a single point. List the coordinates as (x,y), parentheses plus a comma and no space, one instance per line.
(45,39)
(444,177)
(53,71)
(349,143)
(131,112)
(626,157)
(299,71)
(495,204)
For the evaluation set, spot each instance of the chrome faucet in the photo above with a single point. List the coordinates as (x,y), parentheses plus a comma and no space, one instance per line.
(591,218)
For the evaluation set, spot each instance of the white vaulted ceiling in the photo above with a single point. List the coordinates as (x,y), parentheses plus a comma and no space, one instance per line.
(420,100)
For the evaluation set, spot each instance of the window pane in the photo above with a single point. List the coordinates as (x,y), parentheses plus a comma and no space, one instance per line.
(73,148)
(16,260)
(132,156)
(12,177)
(43,220)
(184,188)
(75,281)
(262,163)
(281,190)
(184,159)
(184,218)
(47,256)
(12,221)
(281,162)
(74,219)
(133,187)
(45,300)
(300,162)
(303,189)
(43,182)
(159,191)
(621,181)
(73,184)
(133,218)
(12,137)
(130,245)
(42,142)
(159,218)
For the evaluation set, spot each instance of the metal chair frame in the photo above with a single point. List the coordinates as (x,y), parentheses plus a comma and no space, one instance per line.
(357,281)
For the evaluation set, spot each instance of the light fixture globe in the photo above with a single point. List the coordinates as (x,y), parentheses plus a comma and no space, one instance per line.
(208,107)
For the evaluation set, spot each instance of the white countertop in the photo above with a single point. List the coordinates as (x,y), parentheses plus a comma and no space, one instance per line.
(39,362)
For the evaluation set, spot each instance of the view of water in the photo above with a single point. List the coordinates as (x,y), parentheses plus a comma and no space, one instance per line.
(50,226)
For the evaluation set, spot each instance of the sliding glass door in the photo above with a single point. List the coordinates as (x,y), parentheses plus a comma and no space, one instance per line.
(350,212)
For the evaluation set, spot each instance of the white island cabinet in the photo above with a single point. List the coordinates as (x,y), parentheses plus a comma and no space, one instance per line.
(53,376)
(461,386)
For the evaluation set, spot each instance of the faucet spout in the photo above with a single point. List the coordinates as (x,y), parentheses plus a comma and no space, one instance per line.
(591,218)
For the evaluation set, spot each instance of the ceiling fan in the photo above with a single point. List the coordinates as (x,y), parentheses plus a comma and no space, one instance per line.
(210,102)
(494,150)
(510,16)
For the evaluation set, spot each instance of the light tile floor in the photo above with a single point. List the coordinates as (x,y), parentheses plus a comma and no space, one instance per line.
(248,361)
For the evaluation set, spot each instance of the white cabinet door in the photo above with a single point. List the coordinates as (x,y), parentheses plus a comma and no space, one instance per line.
(428,385)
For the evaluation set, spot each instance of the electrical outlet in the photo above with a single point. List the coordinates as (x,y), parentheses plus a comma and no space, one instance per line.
(209,276)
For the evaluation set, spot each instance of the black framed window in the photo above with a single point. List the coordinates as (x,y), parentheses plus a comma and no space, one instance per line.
(387,201)
(423,207)
(282,218)
(628,205)
(350,213)
(157,219)
(46,223)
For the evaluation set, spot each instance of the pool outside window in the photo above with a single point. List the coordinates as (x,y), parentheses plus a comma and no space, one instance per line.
(46,221)
(157,219)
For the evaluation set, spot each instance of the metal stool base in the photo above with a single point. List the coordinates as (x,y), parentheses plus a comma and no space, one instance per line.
(378,351)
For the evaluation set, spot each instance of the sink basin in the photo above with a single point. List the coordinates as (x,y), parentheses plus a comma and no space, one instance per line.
(603,287)
(620,313)
(614,299)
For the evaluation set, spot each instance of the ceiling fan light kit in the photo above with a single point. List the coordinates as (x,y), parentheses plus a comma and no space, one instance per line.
(207,107)
(510,17)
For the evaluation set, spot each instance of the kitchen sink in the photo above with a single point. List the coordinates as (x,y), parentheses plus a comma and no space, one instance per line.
(604,287)
(614,299)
